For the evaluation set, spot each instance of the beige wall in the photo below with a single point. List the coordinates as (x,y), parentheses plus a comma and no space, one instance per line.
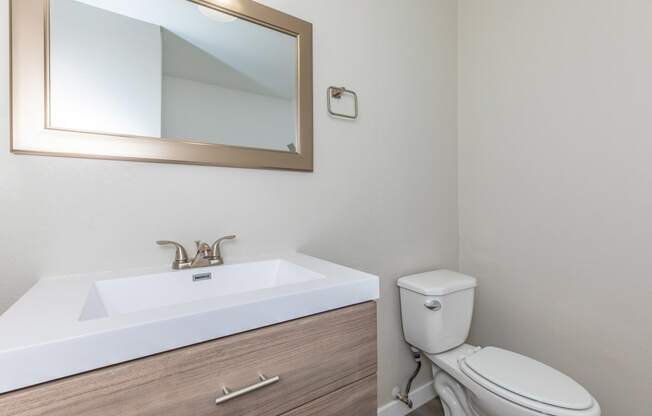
(555,174)
(382,197)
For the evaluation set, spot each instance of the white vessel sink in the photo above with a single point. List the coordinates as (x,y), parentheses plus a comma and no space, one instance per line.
(69,325)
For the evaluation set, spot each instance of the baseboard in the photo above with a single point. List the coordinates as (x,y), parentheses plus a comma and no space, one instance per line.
(419,396)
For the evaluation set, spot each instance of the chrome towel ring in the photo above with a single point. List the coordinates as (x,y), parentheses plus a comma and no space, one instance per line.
(337,93)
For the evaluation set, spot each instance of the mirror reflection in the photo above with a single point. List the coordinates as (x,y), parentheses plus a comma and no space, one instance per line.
(171,69)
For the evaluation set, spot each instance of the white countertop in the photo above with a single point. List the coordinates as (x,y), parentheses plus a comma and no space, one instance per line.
(45,335)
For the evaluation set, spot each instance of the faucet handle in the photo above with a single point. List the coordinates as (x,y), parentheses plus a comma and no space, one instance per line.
(216,244)
(217,254)
(181,256)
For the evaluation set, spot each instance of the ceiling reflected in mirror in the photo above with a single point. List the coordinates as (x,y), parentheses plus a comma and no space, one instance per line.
(171,69)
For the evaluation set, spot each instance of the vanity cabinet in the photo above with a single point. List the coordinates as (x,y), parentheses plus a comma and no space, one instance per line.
(325,364)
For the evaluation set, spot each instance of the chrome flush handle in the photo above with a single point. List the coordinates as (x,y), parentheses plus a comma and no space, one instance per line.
(433,305)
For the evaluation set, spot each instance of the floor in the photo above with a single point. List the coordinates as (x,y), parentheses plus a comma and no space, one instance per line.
(432,408)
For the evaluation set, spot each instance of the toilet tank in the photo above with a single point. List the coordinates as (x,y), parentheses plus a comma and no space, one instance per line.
(436,309)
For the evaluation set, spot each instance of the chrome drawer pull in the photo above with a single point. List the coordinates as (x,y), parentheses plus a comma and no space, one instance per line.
(228,394)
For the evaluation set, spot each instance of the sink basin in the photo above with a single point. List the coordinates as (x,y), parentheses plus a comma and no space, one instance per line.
(119,296)
(69,325)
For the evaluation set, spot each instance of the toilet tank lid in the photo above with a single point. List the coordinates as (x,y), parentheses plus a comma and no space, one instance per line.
(437,282)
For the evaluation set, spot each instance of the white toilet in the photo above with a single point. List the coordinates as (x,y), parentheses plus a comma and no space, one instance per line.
(472,381)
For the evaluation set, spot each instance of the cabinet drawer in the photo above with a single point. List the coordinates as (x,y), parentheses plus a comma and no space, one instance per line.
(312,356)
(357,399)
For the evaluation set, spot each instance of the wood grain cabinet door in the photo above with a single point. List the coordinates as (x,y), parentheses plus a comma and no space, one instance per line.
(357,399)
(313,357)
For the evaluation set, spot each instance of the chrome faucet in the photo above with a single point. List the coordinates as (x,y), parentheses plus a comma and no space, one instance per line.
(206,255)
(201,257)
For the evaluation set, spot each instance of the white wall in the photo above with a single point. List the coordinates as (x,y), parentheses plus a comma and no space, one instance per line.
(215,114)
(555,173)
(382,197)
(117,90)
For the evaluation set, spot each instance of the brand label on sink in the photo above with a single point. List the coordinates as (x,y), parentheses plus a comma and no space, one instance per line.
(202,276)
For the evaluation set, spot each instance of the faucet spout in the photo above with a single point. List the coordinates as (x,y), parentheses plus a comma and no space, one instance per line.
(203,255)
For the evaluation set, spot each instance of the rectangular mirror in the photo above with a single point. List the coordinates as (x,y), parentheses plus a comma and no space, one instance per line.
(220,82)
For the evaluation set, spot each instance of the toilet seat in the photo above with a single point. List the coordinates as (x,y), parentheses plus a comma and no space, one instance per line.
(526,382)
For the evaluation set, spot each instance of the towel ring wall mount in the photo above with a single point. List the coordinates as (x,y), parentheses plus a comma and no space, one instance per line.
(338,93)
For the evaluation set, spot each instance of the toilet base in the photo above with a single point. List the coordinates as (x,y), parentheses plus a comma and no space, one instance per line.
(453,395)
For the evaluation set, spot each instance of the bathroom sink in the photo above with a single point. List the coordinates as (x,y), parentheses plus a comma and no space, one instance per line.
(69,325)
(119,296)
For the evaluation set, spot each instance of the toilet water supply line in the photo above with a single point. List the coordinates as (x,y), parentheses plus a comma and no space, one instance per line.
(405,397)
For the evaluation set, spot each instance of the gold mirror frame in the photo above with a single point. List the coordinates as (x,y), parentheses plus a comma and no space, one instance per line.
(31,135)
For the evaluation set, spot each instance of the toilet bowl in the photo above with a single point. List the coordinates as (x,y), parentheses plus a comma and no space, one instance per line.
(520,386)
(436,312)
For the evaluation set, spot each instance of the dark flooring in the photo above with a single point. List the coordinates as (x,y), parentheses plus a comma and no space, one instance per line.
(432,408)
